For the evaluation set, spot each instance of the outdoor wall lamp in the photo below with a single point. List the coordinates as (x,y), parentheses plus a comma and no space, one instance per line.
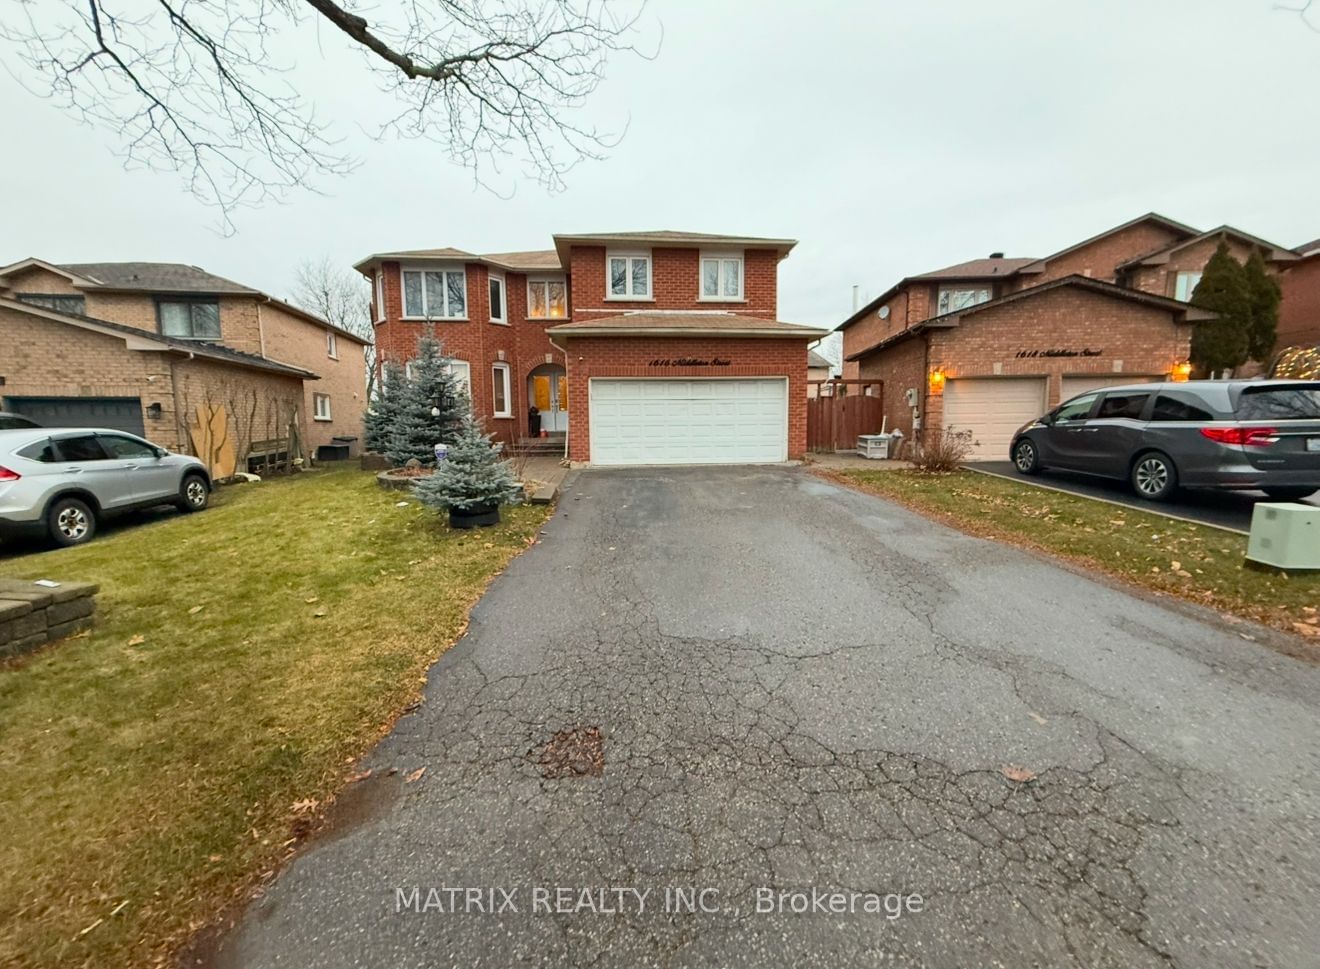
(1181,372)
(936,380)
(154,410)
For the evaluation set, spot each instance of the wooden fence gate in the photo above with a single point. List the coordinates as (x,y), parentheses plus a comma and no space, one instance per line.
(841,410)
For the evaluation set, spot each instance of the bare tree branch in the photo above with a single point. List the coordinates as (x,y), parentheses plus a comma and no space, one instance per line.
(201,87)
(342,296)
(1303,11)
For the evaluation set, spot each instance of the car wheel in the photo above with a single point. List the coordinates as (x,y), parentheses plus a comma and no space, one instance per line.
(1026,458)
(1288,494)
(70,521)
(194,495)
(1154,477)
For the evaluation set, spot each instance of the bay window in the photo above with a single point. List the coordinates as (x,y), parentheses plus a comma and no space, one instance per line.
(721,276)
(629,275)
(432,294)
(547,299)
(953,299)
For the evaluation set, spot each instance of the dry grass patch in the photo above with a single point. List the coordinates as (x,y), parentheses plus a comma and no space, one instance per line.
(156,767)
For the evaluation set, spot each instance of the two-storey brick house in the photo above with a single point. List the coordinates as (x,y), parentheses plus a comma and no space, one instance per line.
(145,347)
(990,344)
(636,347)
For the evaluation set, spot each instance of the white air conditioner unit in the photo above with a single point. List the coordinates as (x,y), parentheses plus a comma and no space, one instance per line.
(1285,535)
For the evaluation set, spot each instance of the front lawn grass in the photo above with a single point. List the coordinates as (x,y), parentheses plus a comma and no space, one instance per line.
(1195,562)
(242,659)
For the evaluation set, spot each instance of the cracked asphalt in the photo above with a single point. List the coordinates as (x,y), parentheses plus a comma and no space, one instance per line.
(801,686)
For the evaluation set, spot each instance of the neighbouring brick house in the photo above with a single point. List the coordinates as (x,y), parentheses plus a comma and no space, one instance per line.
(1299,313)
(142,346)
(990,344)
(634,347)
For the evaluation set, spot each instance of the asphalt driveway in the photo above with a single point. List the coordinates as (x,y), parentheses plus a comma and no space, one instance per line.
(1227,509)
(800,687)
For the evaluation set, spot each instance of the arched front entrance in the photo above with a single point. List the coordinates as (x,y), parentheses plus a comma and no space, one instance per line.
(547,389)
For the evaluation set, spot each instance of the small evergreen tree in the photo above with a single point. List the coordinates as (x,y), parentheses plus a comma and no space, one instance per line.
(473,475)
(431,405)
(383,411)
(1221,344)
(1263,296)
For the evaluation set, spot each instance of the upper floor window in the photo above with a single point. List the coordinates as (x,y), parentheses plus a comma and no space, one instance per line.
(60,303)
(953,299)
(721,277)
(1185,285)
(435,294)
(498,314)
(547,299)
(629,275)
(380,296)
(331,344)
(189,319)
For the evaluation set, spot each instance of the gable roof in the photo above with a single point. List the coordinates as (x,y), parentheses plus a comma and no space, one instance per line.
(816,361)
(1189,313)
(670,323)
(528,260)
(532,260)
(1161,256)
(155,277)
(1306,248)
(1038,266)
(992,267)
(137,339)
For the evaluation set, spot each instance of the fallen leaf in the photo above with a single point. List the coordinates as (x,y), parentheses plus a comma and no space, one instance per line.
(1175,565)
(304,806)
(1037,717)
(401,504)
(1230,619)
(311,599)
(1306,629)
(1019,775)
(359,776)
(415,775)
(195,610)
(137,640)
(319,614)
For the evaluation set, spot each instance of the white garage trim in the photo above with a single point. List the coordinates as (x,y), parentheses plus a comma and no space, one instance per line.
(692,420)
(992,408)
(1075,384)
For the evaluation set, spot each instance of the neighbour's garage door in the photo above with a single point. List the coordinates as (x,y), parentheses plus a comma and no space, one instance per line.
(992,408)
(116,413)
(711,421)
(1072,386)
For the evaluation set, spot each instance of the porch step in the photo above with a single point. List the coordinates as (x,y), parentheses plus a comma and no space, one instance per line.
(542,445)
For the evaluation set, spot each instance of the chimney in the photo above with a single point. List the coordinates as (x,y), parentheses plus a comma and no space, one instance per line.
(855,294)
(996,255)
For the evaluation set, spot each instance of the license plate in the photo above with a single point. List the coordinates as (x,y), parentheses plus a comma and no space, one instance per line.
(1313,444)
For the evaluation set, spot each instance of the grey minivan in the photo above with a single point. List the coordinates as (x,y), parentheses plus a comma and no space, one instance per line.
(63,481)
(1250,435)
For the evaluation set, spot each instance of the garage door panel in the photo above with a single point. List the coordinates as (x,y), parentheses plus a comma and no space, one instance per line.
(694,421)
(114,413)
(992,409)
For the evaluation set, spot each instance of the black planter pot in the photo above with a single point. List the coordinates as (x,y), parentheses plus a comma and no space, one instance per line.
(474,517)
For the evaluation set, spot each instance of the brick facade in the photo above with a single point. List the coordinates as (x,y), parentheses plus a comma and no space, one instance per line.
(1299,313)
(523,344)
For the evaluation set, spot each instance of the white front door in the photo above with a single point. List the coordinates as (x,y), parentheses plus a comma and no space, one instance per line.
(695,421)
(992,408)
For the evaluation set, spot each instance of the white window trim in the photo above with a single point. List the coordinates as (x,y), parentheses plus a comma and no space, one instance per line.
(462,371)
(965,288)
(506,382)
(332,344)
(701,277)
(631,254)
(503,319)
(440,268)
(380,296)
(1186,274)
(317,400)
(551,278)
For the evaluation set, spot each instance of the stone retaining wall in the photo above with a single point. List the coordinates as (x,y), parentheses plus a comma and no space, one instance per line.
(32,615)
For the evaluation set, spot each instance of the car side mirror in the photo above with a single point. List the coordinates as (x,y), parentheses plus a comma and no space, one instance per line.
(1047,419)
(161,453)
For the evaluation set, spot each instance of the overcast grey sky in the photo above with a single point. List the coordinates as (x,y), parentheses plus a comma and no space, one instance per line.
(888,138)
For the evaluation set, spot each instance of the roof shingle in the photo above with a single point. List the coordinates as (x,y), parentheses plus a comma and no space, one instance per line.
(155,277)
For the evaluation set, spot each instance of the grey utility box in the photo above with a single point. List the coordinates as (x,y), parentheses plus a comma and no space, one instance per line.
(1285,535)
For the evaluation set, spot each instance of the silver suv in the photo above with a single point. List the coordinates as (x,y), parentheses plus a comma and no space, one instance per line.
(63,481)
(1257,435)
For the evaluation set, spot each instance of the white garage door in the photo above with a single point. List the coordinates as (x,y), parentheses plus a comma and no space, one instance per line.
(1072,386)
(992,409)
(689,421)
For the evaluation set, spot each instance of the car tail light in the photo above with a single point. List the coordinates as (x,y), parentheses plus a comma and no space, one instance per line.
(1244,436)
(7,475)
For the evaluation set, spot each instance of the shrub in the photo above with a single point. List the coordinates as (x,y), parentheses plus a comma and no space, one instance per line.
(943,451)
